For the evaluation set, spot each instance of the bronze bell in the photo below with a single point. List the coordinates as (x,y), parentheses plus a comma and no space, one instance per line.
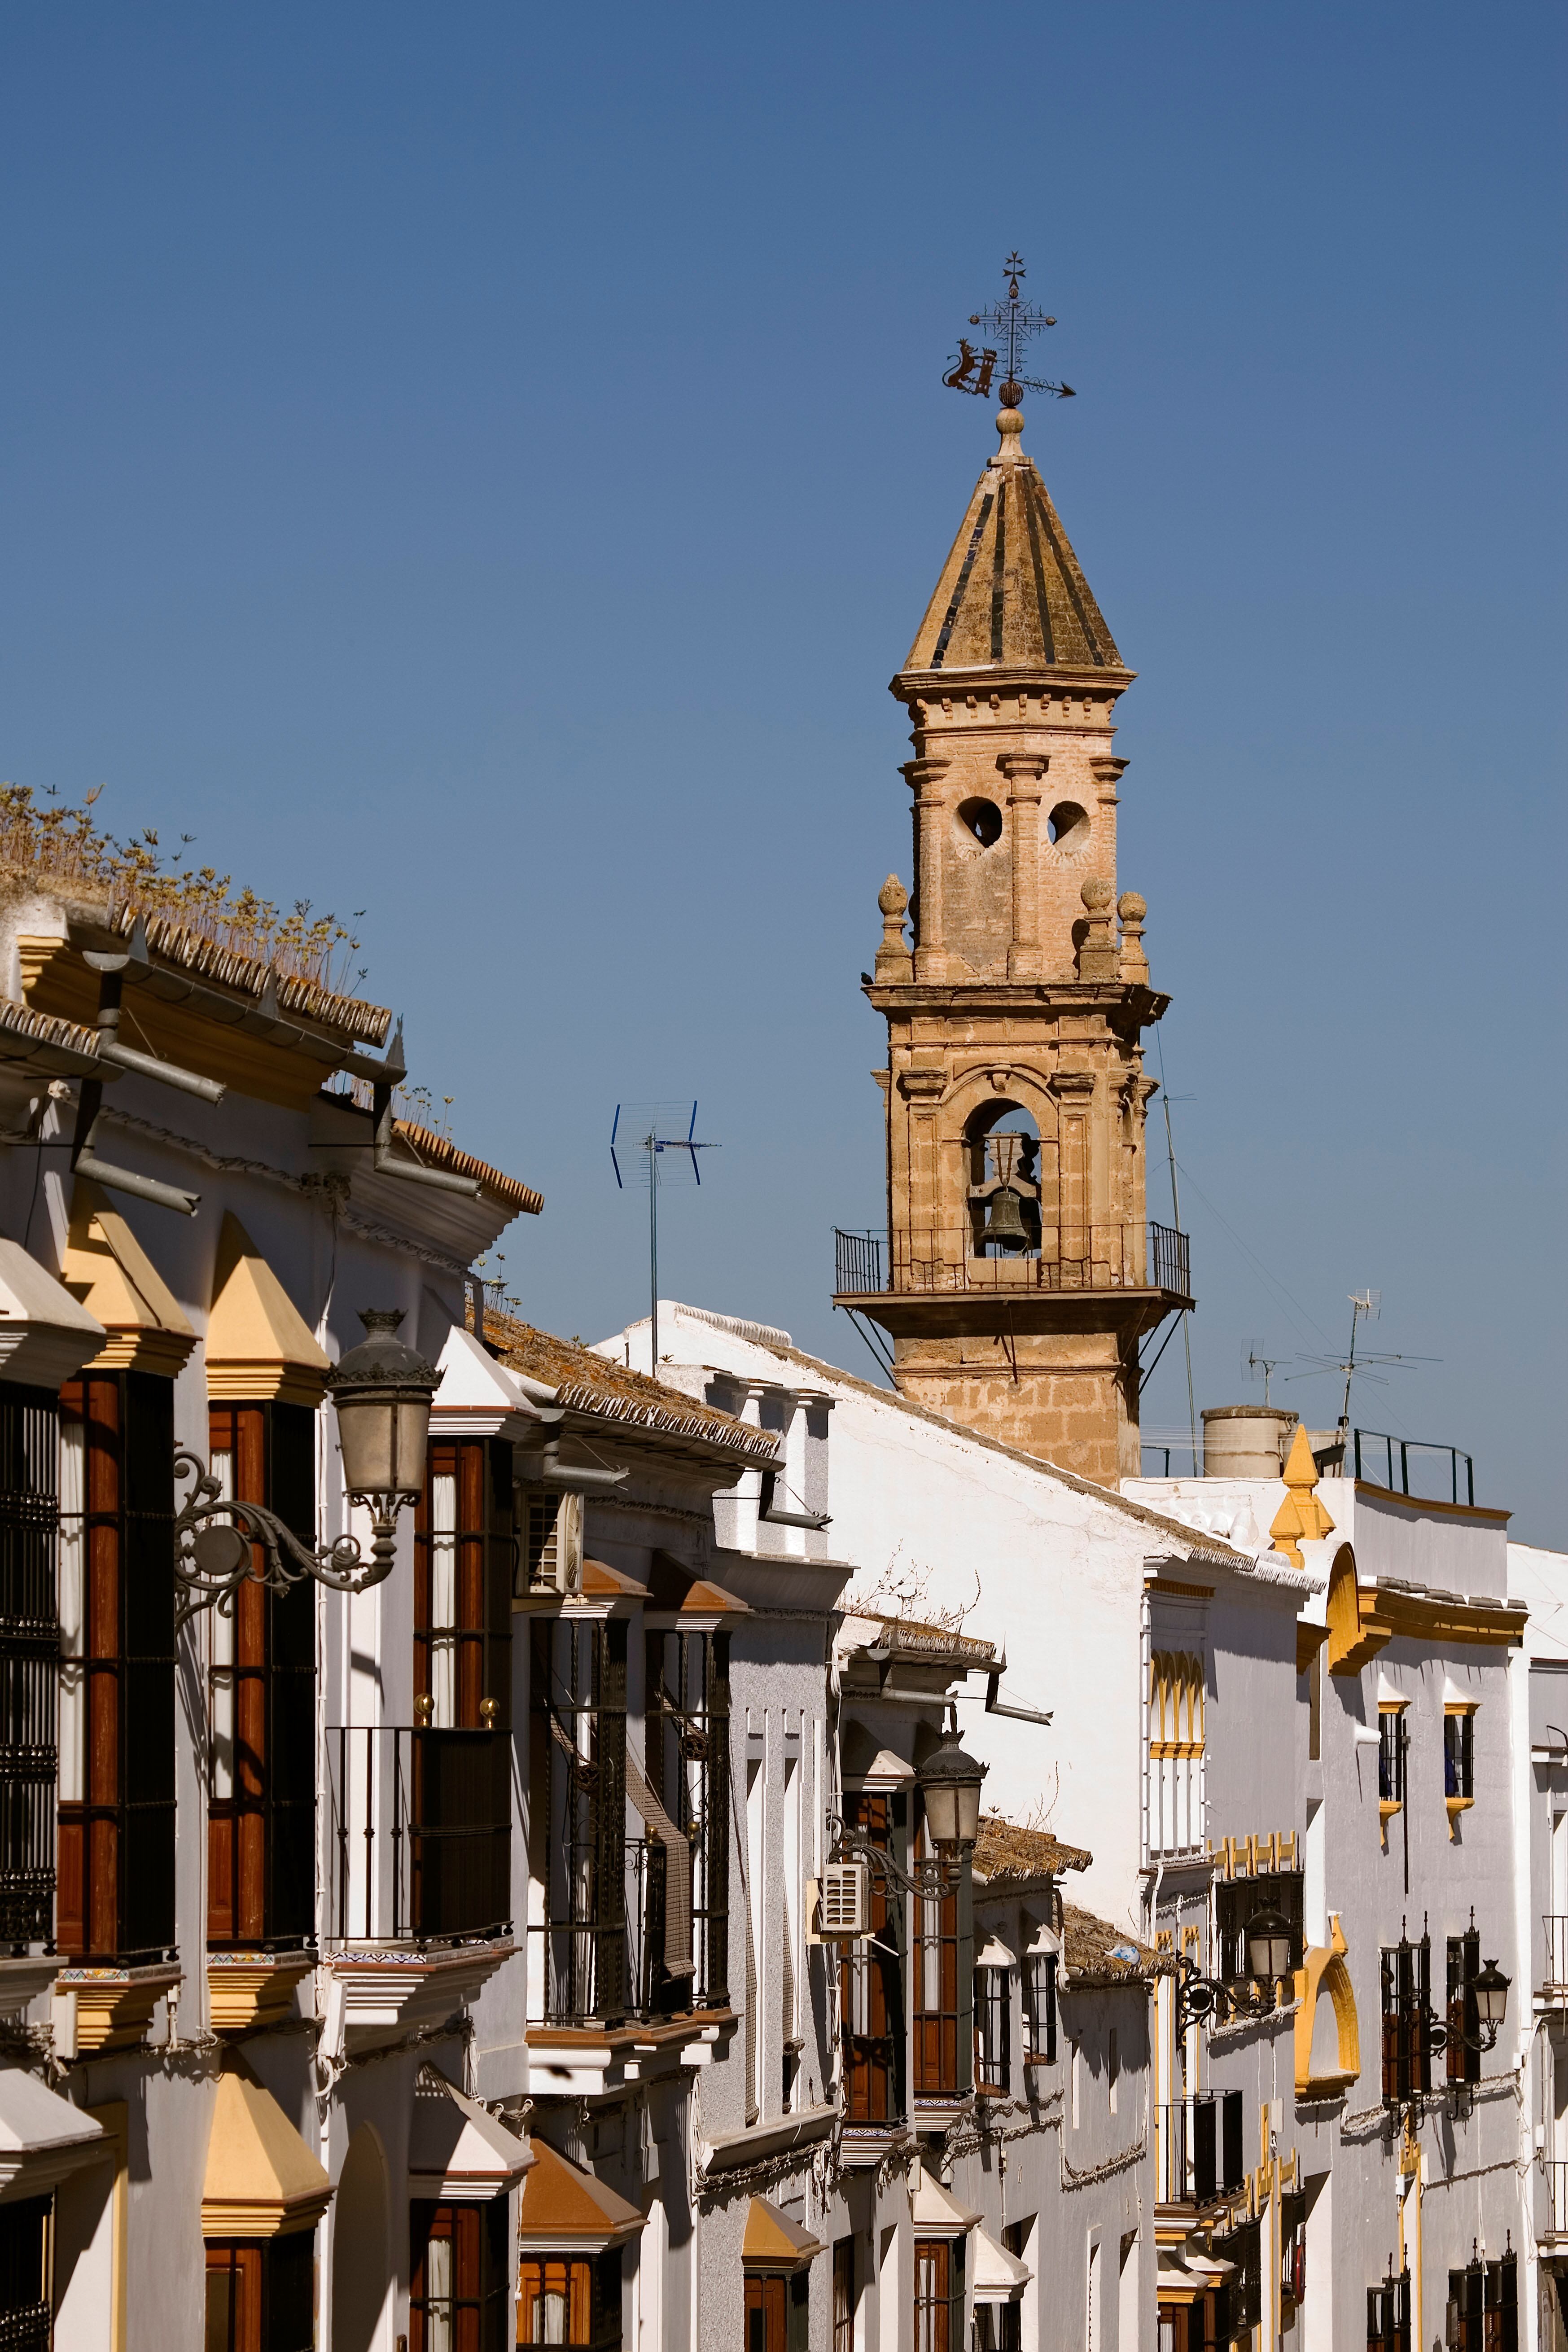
(1004,1221)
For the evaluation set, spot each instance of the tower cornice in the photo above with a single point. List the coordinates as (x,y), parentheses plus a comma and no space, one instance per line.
(1005,678)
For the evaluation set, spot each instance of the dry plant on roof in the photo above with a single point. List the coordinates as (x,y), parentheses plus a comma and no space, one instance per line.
(41,841)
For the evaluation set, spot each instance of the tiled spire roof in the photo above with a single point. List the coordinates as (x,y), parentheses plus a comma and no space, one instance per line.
(1012,593)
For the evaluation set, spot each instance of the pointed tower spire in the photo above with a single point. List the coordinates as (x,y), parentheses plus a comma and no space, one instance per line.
(1021,1276)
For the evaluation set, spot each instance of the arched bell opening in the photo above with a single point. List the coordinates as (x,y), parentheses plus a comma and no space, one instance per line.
(1002,1166)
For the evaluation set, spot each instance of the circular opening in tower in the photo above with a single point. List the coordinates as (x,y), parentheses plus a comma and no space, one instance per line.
(982,819)
(1067,826)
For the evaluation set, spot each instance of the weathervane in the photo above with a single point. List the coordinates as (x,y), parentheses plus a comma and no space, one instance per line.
(1013,321)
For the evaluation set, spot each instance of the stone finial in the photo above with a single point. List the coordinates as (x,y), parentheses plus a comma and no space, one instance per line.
(1010,425)
(893,960)
(1097,956)
(1300,1517)
(1134,963)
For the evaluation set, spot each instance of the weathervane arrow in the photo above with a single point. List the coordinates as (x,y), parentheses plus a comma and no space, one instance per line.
(973,367)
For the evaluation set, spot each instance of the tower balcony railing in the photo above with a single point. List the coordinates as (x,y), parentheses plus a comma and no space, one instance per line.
(1097,1258)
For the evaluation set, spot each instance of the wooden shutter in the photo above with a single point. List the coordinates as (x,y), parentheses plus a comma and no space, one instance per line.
(29,1653)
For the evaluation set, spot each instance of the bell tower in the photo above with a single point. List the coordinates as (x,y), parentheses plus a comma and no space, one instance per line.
(1020,1273)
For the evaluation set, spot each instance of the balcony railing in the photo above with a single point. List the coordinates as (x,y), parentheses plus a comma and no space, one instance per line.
(1106,1257)
(1392,1462)
(1557,2197)
(419,1834)
(1198,2153)
(601,1962)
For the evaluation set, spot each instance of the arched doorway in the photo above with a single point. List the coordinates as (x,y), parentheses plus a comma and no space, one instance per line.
(362,2264)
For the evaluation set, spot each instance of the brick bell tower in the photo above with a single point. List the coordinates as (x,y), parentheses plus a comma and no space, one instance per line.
(1020,1274)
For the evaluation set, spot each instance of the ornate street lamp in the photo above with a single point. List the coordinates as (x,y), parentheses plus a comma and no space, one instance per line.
(950,1783)
(1269,1940)
(382,1391)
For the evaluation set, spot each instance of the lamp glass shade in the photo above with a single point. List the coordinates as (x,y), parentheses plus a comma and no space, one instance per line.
(1268,1946)
(381,1390)
(950,1784)
(1490,1991)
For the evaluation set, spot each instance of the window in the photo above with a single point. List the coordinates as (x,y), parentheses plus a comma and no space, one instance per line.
(26,2322)
(1175,1787)
(939,2294)
(1391,1742)
(844,2295)
(993,2031)
(777,2312)
(570,2302)
(580,1849)
(1388,2315)
(1292,2248)
(261,1697)
(260,2294)
(116,1896)
(550,1554)
(461,1792)
(1463,2018)
(1459,1754)
(458,2283)
(688,1746)
(1406,2001)
(1483,2308)
(29,1636)
(1040,2009)
(1240,2301)
(937,1977)
(871,1980)
(1237,1901)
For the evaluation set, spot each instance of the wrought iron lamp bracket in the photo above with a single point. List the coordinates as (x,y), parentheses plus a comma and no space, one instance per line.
(933,1879)
(1218,2003)
(215,1536)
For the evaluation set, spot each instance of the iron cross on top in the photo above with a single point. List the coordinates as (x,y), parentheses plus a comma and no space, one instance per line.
(1012,323)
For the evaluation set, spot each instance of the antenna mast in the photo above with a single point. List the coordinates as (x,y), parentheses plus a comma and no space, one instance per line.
(643,1123)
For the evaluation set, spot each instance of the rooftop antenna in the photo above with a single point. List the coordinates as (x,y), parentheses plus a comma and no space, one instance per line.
(973,366)
(1264,1364)
(1365,1306)
(652,1130)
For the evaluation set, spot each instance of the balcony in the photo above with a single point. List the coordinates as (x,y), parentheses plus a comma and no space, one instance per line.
(1109,1257)
(1556,2167)
(418,1899)
(1198,2153)
(1552,1989)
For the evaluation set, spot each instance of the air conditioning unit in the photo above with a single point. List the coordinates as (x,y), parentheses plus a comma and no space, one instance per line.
(844,1907)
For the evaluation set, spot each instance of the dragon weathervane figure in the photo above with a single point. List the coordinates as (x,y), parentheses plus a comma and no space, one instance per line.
(1011,322)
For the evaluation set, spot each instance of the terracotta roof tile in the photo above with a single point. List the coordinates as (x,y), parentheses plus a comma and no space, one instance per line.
(438,1151)
(586,1382)
(1011,1855)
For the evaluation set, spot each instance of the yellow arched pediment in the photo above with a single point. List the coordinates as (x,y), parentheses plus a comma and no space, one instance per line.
(1323,1971)
(1355,1633)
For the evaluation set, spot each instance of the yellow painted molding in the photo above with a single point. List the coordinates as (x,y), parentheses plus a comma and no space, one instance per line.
(1438,1621)
(260,1346)
(247,1991)
(1300,1517)
(1357,1631)
(107,1269)
(1323,1970)
(1309,1639)
(113,2116)
(102,2009)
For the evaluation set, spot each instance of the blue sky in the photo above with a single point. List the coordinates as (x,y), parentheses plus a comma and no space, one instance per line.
(483,465)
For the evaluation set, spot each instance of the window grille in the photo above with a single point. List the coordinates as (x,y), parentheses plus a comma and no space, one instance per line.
(27,2302)
(259,2293)
(1463,2018)
(1239,2302)
(1406,2002)
(937,1977)
(1391,1747)
(579,1703)
(1176,1757)
(994,2030)
(116,1892)
(29,1637)
(570,2301)
(1041,2006)
(687,1746)
(871,1980)
(1459,1753)
(458,2283)
(1483,2306)
(939,2294)
(1388,2315)
(261,1698)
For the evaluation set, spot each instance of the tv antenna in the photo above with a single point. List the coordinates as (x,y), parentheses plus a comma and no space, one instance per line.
(1264,1364)
(973,366)
(652,1130)
(1365,1306)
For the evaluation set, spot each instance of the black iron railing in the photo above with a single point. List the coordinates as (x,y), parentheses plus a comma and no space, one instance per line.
(419,1834)
(1385,1461)
(29,1664)
(601,1962)
(1198,2153)
(1111,1257)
